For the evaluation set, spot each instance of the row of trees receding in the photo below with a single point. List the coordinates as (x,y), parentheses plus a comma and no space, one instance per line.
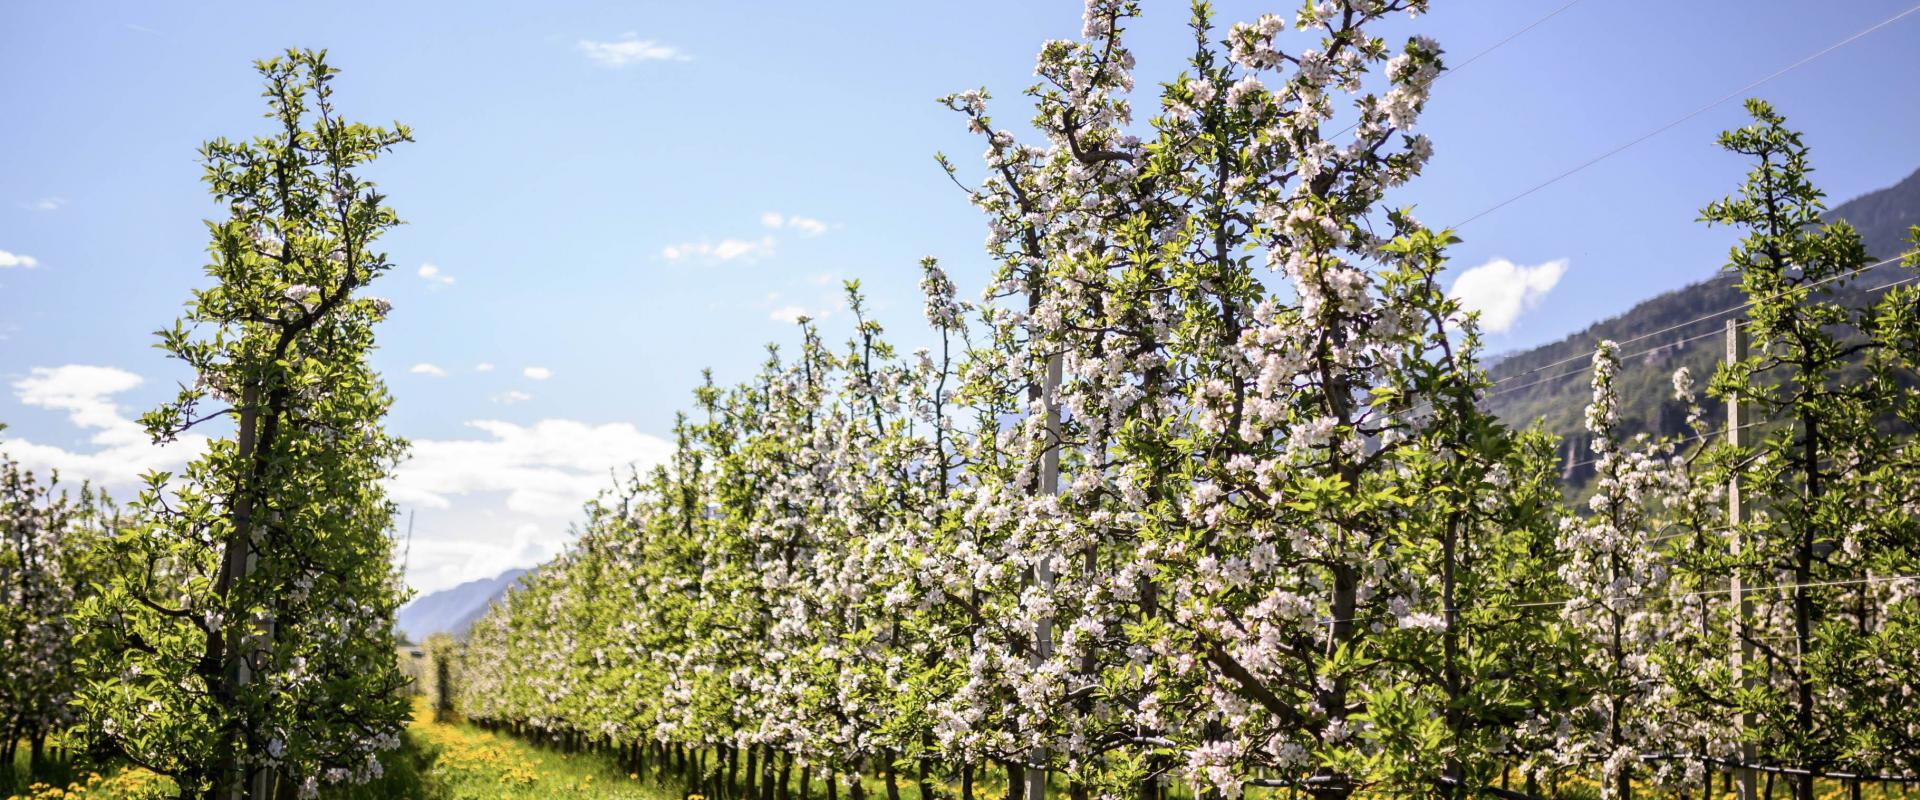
(1200,490)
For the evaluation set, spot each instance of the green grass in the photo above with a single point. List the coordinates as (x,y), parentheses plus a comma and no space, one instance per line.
(59,779)
(452,761)
(17,778)
(63,780)
(462,762)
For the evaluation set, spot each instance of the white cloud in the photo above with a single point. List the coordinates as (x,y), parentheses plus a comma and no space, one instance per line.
(629,49)
(484,366)
(743,249)
(725,250)
(80,390)
(807,226)
(506,496)
(424,368)
(433,274)
(792,312)
(45,204)
(1502,290)
(547,469)
(730,249)
(537,373)
(124,452)
(502,498)
(17,260)
(512,397)
(823,279)
(482,548)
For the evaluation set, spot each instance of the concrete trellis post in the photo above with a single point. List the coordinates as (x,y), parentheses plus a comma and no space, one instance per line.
(1736,516)
(1043,572)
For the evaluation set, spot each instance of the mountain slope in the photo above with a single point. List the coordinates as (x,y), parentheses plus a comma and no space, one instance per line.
(453,610)
(1548,384)
(1884,216)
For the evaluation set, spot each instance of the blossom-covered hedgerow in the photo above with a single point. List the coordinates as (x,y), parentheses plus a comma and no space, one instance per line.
(1200,489)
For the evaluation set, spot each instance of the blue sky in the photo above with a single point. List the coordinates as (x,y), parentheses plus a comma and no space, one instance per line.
(594,185)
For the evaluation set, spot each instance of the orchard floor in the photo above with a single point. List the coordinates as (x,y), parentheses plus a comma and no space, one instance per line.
(465,763)
(443,761)
(438,762)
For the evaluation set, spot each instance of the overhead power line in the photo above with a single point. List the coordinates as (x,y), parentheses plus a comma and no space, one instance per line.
(1685,440)
(1503,42)
(1477,56)
(1689,115)
(1867,581)
(1585,368)
(1710,316)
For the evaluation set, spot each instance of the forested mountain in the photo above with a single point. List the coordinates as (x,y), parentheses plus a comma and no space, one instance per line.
(1548,383)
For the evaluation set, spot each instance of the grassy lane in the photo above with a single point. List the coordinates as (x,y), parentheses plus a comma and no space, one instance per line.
(133,784)
(437,762)
(462,762)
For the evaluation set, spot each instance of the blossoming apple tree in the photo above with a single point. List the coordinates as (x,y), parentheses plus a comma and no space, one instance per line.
(250,615)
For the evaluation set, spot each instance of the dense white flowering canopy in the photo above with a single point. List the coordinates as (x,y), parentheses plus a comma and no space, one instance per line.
(1199,489)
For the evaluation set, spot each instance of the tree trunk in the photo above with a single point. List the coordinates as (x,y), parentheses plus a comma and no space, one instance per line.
(769,773)
(229,779)
(733,771)
(753,773)
(1803,602)
(923,773)
(1346,589)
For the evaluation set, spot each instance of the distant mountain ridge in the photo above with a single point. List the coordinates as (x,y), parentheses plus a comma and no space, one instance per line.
(453,610)
(1546,384)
